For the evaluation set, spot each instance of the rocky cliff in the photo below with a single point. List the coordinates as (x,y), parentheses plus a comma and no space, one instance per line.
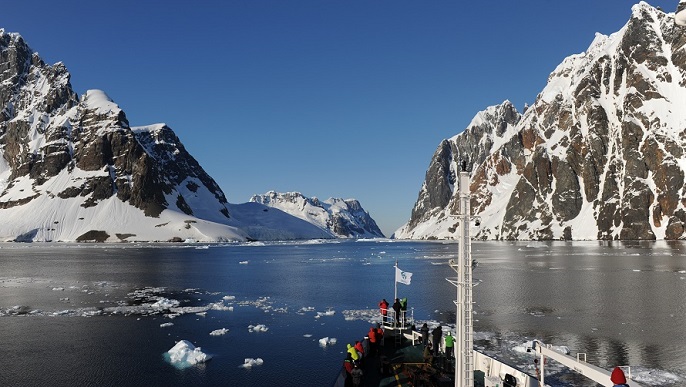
(73,169)
(599,155)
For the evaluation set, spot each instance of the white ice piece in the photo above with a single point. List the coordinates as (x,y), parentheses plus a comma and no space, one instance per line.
(249,362)
(327,341)
(219,332)
(258,328)
(185,354)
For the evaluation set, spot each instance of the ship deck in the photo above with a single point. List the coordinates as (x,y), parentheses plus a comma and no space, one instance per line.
(402,364)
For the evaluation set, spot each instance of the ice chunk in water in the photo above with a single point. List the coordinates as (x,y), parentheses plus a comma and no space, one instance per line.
(252,362)
(185,354)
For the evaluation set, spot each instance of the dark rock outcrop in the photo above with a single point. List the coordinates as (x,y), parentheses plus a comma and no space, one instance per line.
(45,130)
(599,155)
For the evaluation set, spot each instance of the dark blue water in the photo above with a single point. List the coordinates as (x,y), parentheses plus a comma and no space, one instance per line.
(621,303)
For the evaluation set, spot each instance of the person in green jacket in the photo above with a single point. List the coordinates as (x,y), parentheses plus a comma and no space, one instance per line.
(449,345)
(403,309)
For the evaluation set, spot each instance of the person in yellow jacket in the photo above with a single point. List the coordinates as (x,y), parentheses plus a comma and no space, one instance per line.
(353,353)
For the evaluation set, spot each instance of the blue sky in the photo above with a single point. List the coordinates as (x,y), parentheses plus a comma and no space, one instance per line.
(344,98)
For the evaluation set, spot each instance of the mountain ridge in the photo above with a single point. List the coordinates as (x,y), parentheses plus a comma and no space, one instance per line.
(598,156)
(73,169)
(341,218)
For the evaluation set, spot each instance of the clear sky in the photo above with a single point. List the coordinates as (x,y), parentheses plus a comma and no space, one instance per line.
(331,98)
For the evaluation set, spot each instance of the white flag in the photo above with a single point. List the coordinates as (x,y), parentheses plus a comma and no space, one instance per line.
(404,277)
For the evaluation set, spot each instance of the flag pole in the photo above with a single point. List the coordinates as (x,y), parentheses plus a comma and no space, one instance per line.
(395,280)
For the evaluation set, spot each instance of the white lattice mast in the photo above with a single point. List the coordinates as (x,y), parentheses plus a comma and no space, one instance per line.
(464,348)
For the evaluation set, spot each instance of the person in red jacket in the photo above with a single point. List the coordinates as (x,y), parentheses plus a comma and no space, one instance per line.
(383,305)
(360,350)
(373,339)
(348,364)
(379,336)
(617,377)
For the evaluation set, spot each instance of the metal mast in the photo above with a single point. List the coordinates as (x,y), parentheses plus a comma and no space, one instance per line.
(464,345)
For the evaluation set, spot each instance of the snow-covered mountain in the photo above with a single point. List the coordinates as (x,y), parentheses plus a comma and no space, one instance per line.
(337,217)
(73,169)
(601,154)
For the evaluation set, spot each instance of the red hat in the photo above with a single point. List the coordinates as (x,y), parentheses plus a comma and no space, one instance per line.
(617,376)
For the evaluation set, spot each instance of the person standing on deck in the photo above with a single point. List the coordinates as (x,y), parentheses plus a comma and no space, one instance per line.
(353,353)
(403,309)
(617,377)
(348,363)
(396,309)
(437,334)
(379,336)
(383,305)
(359,349)
(449,344)
(373,340)
(425,334)
(428,357)
(357,376)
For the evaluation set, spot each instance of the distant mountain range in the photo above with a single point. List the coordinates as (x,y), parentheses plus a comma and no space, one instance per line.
(73,169)
(600,155)
(338,217)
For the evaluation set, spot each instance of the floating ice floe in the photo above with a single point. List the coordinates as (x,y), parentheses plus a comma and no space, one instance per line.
(329,312)
(219,332)
(654,377)
(305,309)
(189,309)
(165,303)
(164,325)
(263,303)
(184,354)
(229,298)
(258,328)
(327,341)
(370,315)
(527,345)
(249,362)
(220,306)
(243,262)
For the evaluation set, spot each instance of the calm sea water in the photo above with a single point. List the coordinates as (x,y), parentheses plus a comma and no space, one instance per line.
(81,315)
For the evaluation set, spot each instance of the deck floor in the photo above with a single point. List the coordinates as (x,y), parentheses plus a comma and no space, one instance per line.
(403,365)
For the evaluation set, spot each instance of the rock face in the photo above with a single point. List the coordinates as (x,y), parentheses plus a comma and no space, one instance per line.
(83,151)
(340,218)
(599,155)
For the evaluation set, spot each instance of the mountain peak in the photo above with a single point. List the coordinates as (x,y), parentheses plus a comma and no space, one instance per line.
(99,101)
(599,155)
